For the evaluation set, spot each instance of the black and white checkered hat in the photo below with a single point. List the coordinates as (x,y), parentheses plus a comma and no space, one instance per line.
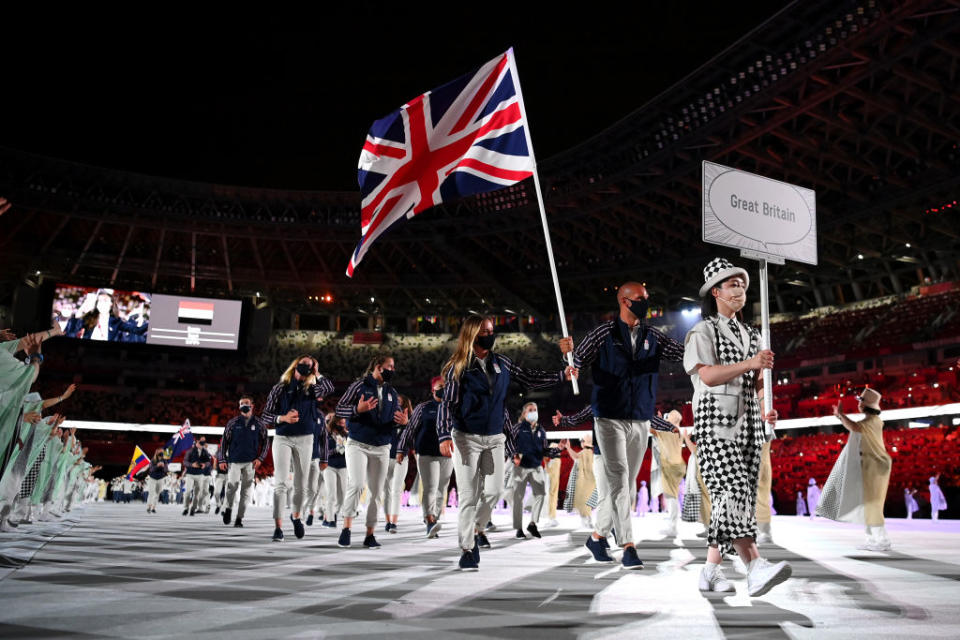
(718,270)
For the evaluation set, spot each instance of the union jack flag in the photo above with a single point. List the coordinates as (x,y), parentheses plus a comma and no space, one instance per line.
(466,137)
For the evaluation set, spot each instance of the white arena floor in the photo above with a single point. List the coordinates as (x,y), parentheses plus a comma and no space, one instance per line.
(113,571)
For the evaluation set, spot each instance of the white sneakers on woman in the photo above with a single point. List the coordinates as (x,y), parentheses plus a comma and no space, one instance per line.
(712,579)
(763,575)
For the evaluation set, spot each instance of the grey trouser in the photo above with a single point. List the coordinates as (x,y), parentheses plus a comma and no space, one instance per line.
(196,487)
(218,486)
(238,473)
(521,476)
(154,487)
(295,452)
(394,486)
(366,464)
(435,476)
(314,487)
(623,443)
(476,460)
(335,488)
(604,515)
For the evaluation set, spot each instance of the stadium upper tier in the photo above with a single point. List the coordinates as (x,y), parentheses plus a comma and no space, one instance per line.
(855,100)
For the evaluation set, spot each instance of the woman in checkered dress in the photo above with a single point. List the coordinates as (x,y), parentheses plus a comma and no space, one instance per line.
(724,360)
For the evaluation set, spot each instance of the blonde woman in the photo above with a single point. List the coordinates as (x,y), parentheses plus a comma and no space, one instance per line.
(473,418)
(292,407)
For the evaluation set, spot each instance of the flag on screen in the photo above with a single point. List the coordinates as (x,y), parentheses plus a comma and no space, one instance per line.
(193,312)
(181,441)
(466,137)
(138,463)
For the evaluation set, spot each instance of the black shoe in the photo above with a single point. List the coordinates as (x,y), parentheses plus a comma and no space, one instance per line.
(217,511)
(467,562)
(344,540)
(532,528)
(184,512)
(482,541)
(148,510)
(226,515)
(520,534)
(630,559)
(278,535)
(386,527)
(370,542)
(192,511)
(238,523)
(393,527)
(476,550)
(297,527)
(310,520)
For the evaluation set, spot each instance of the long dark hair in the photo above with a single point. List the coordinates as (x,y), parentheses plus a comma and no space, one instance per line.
(91,318)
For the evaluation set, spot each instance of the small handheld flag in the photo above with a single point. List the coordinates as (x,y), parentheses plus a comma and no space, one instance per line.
(138,463)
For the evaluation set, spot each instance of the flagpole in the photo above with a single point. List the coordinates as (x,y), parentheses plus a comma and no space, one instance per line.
(543,212)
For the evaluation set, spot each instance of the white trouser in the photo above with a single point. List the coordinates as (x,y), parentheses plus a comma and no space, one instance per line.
(522,476)
(393,487)
(154,487)
(314,486)
(295,452)
(218,487)
(604,515)
(477,460)
(435,476)
(673,512)
(366,464)
(205,494)
(335,488)
(196,487)
(623,444)
(238,474)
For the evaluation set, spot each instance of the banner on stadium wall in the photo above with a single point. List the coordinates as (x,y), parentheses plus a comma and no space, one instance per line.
(759,215)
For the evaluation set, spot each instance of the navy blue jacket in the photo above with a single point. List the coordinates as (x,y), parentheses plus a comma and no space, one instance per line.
(530,444)
(421,432)
(374,427)
(329,454)
(625,379)
(116,329)
(286,396)
(157,471)
(244,440)
(200,455)
(472,405)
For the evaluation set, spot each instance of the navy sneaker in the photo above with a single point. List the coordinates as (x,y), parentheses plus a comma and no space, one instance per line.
(476,551)
(386,527)
(596,548)
(310,520)
(393,527)
(278,535)
(520,534)
(490,527)
(297,527)
(481,540)
(433,528)
(467,561)
(238,523)
(344,540)
(605,543)
(630,559)
(370,542)
(532,528)
(226,515)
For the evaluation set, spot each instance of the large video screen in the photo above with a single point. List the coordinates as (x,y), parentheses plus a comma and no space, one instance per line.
(194,322)
(114,315)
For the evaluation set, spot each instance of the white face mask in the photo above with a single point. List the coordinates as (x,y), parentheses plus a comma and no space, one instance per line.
(532,417)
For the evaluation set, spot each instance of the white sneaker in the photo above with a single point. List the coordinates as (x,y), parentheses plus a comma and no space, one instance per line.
(875,545)
(764,576)
(551,523)
(764,538)
(669,533)
(715,581)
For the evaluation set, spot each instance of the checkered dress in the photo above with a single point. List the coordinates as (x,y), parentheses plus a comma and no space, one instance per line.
(30,479)
(730,466)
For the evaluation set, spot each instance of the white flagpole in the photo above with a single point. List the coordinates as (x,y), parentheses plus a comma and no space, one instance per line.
(543,211)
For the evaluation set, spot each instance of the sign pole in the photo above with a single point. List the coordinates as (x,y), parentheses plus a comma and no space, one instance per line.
(765,338)
(543,216)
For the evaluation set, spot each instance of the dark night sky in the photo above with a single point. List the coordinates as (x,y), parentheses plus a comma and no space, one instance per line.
(286,102)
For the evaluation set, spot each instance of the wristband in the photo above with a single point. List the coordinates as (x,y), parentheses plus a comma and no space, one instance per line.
(38,357)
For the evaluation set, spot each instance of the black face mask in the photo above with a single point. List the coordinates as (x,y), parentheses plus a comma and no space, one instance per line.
(438,394)
(486,342)
(387,374)
(304,369)
(639,307)
(245,409)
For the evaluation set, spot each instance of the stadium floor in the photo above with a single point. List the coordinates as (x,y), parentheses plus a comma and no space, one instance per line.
(112,571)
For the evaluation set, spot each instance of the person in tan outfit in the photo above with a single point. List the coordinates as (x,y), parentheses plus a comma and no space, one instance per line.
(672,469)
(586,481)
(875,465)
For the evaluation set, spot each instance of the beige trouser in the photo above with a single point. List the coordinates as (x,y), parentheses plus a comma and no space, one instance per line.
(623,444)
(295,451)
(764,481)
(366,464)
(238,474)
(476,459)
(553,472)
